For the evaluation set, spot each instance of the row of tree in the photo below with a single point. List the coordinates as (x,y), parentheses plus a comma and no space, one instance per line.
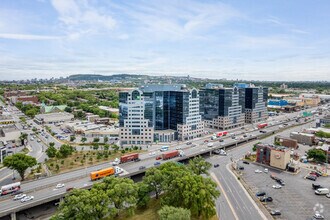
(182,190)
(64,151)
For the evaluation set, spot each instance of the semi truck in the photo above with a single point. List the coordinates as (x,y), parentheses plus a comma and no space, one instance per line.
(172,154)
(10,188)
(262,125)
(129,157)
(99,174)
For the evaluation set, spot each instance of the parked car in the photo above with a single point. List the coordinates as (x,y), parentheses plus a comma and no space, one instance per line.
(216,165)
(277,186)
(275,212)
(309,177)
(328,195)
(205,141)
(27,198)
(266,199)
(158,157)
(240,167)
(189,142)
(19,196)
(245,162)
(316,186)
(317,174)
(258,194)
(318,216)
(258,171)
(221,140)
(280,181)
(266,170)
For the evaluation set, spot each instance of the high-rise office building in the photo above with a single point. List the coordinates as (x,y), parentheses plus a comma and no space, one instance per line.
(222,108)
(256,104)
(135,129)
(172,111)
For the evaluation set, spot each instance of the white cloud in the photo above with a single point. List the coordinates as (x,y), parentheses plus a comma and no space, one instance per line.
(29,37)
(79,17)
(264,42)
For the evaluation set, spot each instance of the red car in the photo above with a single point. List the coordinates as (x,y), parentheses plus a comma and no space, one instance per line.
(158,158)
(206,141)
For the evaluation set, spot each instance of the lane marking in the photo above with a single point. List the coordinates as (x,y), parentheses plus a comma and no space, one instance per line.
(224,193)
(247,194)
(5,177)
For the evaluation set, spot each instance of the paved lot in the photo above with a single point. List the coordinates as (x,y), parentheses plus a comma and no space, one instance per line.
(296,199)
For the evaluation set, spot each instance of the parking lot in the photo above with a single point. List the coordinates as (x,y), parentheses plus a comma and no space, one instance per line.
(295,200)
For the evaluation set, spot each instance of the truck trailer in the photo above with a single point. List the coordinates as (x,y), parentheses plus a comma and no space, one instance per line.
(172,154)
(129,157)
(10,188)
(262,125)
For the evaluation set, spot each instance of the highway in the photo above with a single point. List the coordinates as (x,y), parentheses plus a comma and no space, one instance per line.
(44,188)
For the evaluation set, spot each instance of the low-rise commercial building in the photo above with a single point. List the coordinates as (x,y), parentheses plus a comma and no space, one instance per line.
(44,109)
(88,129)
(9,135)
(323,121)
(303,138)
(24,99)
(286,141)
(279,157)
(53,118)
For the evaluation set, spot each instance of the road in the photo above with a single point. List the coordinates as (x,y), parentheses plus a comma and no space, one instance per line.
(43,188)
(234,203)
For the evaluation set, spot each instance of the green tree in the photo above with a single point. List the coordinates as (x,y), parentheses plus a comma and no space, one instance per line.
(83,139)
(19,162)
(322,134)
(115,148)
(327,125)
(154,180)
(66,150)
(317,155)
(173,213)
(106,147)
(96,140)
(51,144)
(23,137)
(193,192)
(143,196)
(51,151)
(85,204)
(105,139)
(72,138)
(199,165)
(122,192)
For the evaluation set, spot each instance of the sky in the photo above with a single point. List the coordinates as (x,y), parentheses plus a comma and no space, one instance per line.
(237,39)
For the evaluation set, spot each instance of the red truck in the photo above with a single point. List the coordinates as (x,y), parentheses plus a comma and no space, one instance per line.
(223,133)
(129,157)
(171,154)
(260,126)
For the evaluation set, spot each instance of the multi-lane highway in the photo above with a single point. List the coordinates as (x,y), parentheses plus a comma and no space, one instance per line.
(44,188)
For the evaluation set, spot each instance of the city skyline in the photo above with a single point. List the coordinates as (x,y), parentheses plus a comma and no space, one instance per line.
(276,40)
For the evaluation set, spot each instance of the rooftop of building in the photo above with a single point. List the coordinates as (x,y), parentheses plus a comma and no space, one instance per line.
(50,108)
(284,137)
(163,87)
(53,115)
(302,133)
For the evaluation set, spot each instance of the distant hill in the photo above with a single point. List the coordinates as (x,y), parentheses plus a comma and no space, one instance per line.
(92,77)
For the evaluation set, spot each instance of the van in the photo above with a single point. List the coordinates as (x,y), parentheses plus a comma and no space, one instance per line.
(322,191)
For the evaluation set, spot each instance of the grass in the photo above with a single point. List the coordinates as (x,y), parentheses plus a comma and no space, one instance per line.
(25,150)
(80,159)
(151,212)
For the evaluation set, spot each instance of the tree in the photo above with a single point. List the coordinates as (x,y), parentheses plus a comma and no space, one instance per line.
(327,125)
(72,138)
(83,139)
(154,180)
(51,151)
(23,137)
(115,148)
(143,196)
(322,134)
(122,192)
(105,139)
(51,144)
(173,213)
(106,147)
(199,165)
(193,192)
(96,140)
(317,154)
(19,162)
(85,204)
(66,150)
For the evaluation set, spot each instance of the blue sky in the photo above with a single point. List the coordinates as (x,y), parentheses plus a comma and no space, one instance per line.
(238,39)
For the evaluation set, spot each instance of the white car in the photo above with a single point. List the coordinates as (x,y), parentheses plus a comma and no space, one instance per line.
(60,185)
(328,195)
(277,186)
(116,162)
(178,148)
(258,171)
(266,170)
(210,144)
(19,196)
(27,198)
(318,216)
(152,153)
